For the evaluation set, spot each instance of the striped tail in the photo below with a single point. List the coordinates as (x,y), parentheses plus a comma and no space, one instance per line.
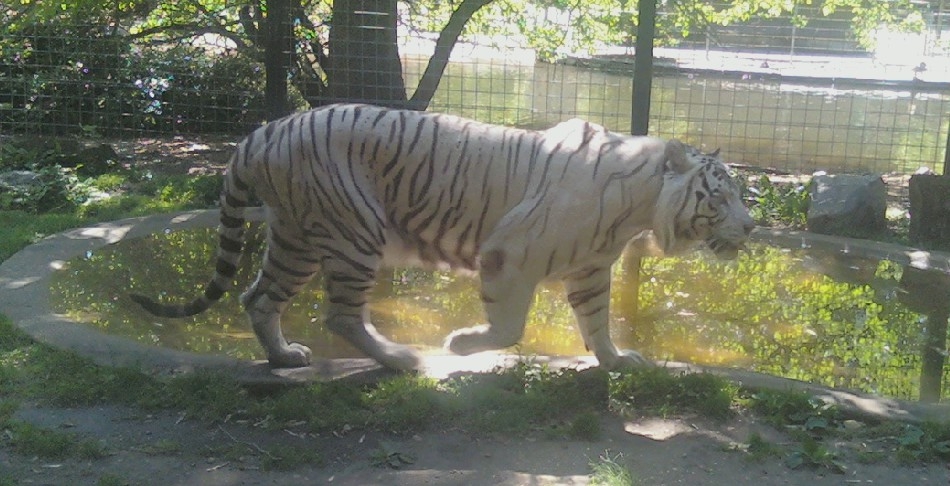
(234,199)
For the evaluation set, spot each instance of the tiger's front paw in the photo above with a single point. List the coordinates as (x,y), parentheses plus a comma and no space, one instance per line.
(295,355)
(628,359)
(399,358)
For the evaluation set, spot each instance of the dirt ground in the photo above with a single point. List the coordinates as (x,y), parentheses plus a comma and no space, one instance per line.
(170,449)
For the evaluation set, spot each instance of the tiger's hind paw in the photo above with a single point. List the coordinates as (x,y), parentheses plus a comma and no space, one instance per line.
(295,355)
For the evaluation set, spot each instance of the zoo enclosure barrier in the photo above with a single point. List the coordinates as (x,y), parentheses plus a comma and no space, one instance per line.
(767,93)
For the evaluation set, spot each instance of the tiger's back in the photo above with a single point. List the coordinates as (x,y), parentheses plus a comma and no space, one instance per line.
(429,187)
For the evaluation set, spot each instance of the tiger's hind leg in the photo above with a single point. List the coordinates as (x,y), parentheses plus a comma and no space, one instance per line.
(288,265)
(588,292)
(349,281)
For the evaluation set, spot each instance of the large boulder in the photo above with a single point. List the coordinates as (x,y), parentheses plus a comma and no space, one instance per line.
(848,205)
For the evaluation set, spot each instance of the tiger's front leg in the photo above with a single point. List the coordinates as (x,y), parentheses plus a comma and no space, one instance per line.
(588,292)
(506,295)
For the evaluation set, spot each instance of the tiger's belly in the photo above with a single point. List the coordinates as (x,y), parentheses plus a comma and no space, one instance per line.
(434,254)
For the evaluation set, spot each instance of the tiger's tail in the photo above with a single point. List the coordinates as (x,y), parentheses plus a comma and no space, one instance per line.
(234,199)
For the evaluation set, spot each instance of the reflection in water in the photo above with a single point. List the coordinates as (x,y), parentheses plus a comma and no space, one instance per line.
(929,294)
(773,310)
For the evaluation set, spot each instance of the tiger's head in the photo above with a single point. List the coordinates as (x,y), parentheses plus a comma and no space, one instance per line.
(700,202)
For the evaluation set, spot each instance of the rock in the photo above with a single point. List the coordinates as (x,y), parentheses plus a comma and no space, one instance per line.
(93,160)
(848,205)
(20,180)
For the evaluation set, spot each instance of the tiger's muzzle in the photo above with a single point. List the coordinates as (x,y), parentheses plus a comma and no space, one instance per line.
(726,245)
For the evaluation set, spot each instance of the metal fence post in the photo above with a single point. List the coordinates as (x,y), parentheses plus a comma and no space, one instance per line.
(946,155)
(639,125)
(643,67)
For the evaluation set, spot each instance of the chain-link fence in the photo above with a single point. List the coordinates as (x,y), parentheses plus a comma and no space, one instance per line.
(799,92)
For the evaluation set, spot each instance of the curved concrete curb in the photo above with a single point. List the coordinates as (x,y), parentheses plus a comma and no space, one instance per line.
(25,299)
(25,295)
(920,259)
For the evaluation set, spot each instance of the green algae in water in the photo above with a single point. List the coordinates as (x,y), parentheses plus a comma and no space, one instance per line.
(773,310)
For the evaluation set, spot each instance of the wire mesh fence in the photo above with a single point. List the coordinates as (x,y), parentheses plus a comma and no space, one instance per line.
(777,92)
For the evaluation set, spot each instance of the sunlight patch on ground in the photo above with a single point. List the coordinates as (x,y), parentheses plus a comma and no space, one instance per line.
(657,428)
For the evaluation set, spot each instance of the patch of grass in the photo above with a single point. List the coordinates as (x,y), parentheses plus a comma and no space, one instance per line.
(11,338)
(7,409)
(109,182)
(203,394)
(164,447)
(528,396)
(289,457)
(516,400)
(488,404)
(812,453)
(144,195)
(30,440)
(607,471)
(22,228)
(319,406)
(229,452)
(152,196)
(760,449)
(927,442)
(67,379)
(112,480)
(798,409)
(585,426)
(408,402)
(655,390)
(14,350)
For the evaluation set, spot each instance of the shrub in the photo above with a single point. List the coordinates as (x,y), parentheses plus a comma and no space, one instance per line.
(73,78)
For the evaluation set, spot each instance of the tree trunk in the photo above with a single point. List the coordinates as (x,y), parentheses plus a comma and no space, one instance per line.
(365,65)
(278,48)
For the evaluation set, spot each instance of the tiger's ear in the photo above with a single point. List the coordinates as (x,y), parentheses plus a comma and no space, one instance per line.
(676,159)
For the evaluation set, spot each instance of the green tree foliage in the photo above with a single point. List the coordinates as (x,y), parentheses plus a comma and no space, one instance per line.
(65,66)
(196,65)
(557,27)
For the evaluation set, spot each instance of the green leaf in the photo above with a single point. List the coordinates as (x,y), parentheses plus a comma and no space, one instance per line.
(912,436)
(794,460)
(816,423)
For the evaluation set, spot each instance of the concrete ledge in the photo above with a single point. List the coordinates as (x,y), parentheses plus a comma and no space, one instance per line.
(25,299)
(920,259)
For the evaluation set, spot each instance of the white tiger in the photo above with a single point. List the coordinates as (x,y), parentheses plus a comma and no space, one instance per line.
(350,188)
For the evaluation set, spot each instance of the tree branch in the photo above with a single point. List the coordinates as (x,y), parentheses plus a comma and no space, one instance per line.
(443,49)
